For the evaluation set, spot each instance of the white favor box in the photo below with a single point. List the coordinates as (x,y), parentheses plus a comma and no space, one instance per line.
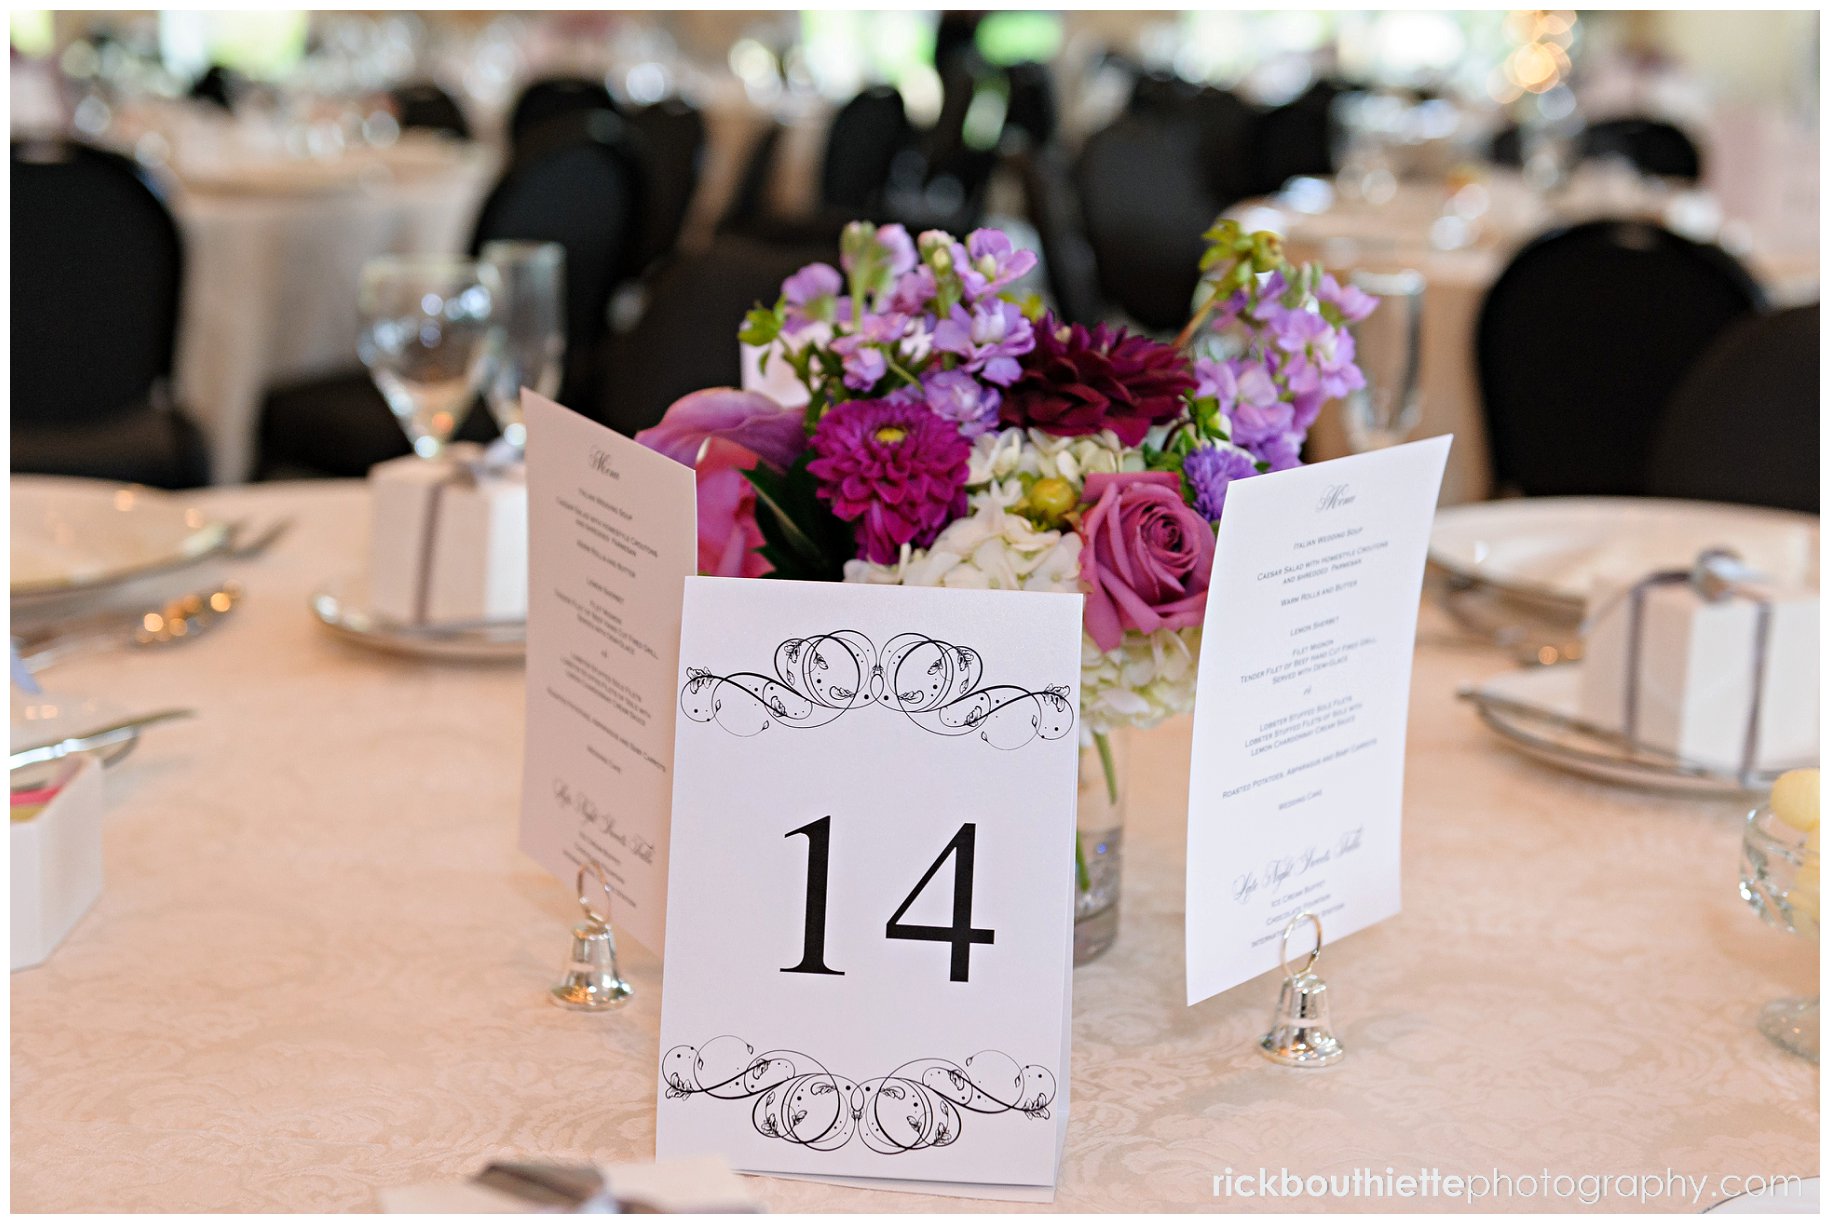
(1696,674)
(467,533)
(57,865)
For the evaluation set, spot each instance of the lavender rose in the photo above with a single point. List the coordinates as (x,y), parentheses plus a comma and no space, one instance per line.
(1145,557)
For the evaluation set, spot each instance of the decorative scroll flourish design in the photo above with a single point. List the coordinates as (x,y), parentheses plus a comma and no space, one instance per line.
(934,684)
(919,1105)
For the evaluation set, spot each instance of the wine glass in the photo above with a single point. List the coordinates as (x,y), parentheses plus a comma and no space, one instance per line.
(529,345)
(1779,879)
(425,340)
(1388,350)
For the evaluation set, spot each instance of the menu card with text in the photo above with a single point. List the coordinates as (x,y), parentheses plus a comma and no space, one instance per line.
(1296,783)
(612,535)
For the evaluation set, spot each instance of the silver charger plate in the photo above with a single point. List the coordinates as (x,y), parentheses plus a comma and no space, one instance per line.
(1537,711)
(342,606)
(1801,1199)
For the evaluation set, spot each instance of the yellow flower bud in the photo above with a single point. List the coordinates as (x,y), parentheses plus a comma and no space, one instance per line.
(1052,497)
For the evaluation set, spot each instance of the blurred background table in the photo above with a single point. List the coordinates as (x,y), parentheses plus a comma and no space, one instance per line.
(318,964)
(274,252)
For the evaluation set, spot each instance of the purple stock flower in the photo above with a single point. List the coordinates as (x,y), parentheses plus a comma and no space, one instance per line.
(989,262)
(895,239)
(913,291)
(805,291)
(861,352)
(1214,380)
(1353,302)
(989,339)
(1320,355)
(956,396)
(1210,470)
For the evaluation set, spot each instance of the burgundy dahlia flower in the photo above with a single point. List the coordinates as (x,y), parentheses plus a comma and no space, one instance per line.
(1080,381)
(894,470)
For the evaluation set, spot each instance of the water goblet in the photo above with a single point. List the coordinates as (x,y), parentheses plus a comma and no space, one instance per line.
(425,340)
(529,343)
(1388,350)
(1779,879)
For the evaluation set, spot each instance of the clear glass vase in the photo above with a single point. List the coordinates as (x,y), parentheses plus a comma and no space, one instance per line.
(1099,843)
(1779,878)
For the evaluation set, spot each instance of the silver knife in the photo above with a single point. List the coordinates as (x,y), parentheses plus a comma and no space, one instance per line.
(101,737)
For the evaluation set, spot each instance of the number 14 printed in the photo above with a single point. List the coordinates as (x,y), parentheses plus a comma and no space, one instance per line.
(810,1021)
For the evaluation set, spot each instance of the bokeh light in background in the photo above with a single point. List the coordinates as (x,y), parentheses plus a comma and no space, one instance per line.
(32,32)
(262,44)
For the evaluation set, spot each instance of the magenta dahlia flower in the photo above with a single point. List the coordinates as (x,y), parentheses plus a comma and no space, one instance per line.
(1080,381)
(895,471)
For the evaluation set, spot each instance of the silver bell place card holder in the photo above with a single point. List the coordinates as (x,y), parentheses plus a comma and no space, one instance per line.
(1300,1035)
(592,981)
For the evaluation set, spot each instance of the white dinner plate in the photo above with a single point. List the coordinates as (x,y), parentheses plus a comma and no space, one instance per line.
(1537,710)
(342,606)
(1800,1199)
(73,535)
(1554,548)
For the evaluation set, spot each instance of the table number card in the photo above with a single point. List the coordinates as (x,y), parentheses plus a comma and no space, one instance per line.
(870,924)
(1296,782)
(612,533)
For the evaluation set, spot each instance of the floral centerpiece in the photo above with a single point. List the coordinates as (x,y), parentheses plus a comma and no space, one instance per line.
(937,427)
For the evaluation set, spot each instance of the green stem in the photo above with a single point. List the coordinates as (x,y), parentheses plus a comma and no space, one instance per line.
(1105,762)
(898,370)
(1083,880)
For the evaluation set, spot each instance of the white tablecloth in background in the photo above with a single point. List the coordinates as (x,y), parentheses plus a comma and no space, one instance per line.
(319,962)
(1395,235)
(270,284)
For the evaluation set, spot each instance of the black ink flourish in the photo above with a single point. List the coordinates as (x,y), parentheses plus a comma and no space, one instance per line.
(919,1105)
(934,684)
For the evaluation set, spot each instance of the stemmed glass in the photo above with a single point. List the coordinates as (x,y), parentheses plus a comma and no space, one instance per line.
(1779,879)
(529,345)
(1388,350)
(425,340)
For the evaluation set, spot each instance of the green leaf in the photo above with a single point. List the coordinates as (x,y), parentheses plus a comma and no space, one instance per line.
(802,539)
(760,327)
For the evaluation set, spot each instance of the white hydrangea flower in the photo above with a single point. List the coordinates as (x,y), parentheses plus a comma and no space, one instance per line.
(991,548)
(1150,677)
(1012,453)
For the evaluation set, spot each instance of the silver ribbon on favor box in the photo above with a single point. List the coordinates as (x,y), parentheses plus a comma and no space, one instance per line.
(1717,575)
(461,473)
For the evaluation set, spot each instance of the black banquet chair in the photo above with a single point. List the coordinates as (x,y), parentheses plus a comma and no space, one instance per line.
(670,136)
(425,106)
(97,274)
(554,97)
(576,182)
(686,339)
(1653,146)
(1582,341)
(865,137)
(1744,424)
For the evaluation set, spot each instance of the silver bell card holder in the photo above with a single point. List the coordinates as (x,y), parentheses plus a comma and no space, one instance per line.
(592,982)
(1300,1036)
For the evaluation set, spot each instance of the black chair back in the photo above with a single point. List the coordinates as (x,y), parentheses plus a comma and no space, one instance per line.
(1581,342)
(670,136)
(428,107)
(1226,142)
(1744,424)
(552,98)
(1146,202)
(1297,138)
(1653,146)
(686,339)
(1067,257)
(749,202)
(97,270)
(576,181)
(213,87)
(865,137)
(1031,109)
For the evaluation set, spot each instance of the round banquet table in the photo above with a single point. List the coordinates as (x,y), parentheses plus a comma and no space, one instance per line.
(1351,236)
(318,965)
(271,275)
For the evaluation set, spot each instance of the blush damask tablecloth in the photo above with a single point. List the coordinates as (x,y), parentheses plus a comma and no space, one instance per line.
(318,965)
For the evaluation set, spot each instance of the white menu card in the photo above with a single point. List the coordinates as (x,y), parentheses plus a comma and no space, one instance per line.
(612,534)
(870,910)
(1296,782)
